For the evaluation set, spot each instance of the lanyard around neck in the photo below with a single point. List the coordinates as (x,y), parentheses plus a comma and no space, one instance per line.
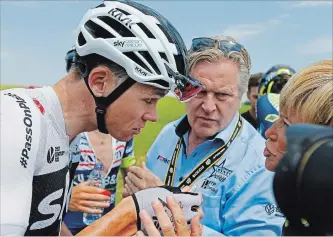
(208,162)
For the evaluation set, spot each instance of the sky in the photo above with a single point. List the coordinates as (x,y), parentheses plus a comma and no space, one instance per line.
(35,35)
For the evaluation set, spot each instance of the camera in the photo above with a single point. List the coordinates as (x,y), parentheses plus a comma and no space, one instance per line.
(303,183)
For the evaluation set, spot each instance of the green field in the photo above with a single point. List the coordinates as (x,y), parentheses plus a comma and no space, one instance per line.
(169,109)
(4,87)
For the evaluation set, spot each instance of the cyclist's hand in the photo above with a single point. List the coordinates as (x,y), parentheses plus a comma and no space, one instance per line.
(176,209)
(139,178)
(85,197)
(166,227)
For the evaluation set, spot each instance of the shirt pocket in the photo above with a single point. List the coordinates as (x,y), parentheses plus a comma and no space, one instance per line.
(211,208)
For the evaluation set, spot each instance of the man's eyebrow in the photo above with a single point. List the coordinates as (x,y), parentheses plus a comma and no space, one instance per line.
(224,89)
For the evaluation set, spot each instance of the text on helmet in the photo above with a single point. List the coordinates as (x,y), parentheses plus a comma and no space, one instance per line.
(121,17)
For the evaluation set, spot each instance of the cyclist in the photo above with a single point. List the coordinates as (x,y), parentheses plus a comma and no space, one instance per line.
(127,57)
(95,147)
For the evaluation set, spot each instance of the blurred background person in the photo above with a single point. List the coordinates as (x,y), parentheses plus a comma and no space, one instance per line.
(267,107)
(252,95)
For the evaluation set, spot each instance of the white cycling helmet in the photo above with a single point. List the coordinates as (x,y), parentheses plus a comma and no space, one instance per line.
(140,40)
(135,37)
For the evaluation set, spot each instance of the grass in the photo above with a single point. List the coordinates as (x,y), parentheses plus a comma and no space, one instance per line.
(4,87)
(169,109)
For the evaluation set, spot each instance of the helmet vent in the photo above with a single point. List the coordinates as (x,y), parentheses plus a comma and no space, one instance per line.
(115,25)
(146,30)
(163,55)
(97,31)
(150,60)
(123,11)
(137,60)
(166,34)
(81,40)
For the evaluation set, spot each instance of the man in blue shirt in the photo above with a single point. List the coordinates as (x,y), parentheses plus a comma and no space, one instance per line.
(214,150)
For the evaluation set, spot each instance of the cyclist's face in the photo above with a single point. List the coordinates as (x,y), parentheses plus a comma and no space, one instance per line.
(276,140)
(214,107)
(129,113)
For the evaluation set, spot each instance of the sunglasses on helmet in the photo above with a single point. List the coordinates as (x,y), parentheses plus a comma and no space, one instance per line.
(226,46)
(185,88)
(202,43)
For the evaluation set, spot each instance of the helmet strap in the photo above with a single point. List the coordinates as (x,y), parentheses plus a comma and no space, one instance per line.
(102,103)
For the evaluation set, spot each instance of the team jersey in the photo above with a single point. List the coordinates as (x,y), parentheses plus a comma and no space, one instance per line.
(267,110)
(82,148)
(35,163)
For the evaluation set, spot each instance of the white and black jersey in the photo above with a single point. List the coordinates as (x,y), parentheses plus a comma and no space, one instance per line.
(35,163)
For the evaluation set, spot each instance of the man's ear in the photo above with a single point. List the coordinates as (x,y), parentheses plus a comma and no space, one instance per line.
(98,79)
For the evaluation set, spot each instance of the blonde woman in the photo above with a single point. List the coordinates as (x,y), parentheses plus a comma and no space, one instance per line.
(306,98)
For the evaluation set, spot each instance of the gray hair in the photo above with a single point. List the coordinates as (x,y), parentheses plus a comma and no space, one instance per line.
(242,59)
(118,71)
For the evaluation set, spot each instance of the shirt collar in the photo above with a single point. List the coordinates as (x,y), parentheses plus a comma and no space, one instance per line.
(184,126)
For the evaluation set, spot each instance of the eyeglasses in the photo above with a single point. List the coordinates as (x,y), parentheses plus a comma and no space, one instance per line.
(282,122)
(226,46)
(185,88)
(286,122)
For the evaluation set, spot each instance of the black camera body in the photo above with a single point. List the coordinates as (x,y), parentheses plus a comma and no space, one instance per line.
(303,183)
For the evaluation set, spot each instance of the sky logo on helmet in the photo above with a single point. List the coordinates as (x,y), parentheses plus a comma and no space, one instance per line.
(121,17)
(128,43)
(119,43)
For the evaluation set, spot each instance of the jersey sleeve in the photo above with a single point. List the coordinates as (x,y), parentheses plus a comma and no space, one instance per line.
(20,130)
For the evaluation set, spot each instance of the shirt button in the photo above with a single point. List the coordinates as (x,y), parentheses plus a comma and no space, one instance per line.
(180,179)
